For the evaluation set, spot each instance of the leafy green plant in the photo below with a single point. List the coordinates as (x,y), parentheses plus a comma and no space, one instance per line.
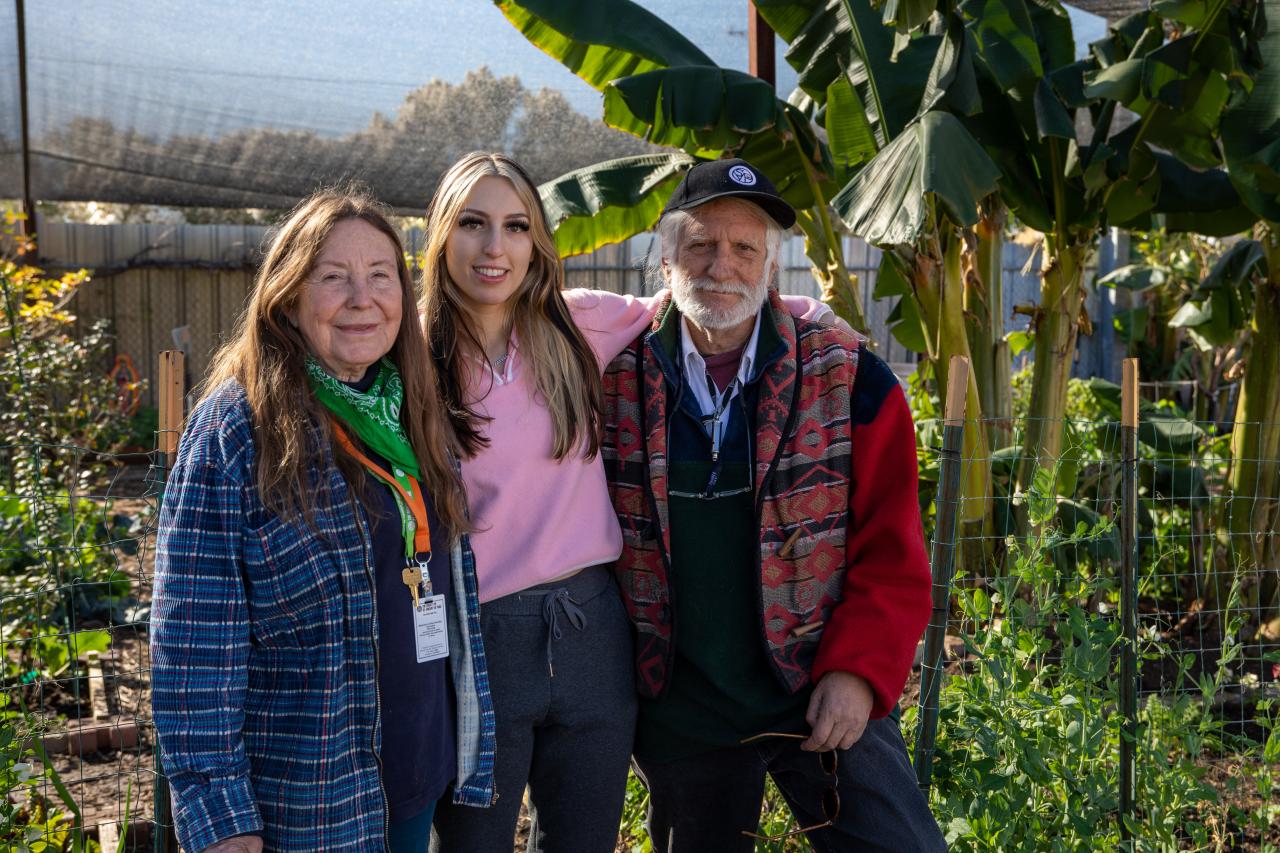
(58,543)
(1027,748)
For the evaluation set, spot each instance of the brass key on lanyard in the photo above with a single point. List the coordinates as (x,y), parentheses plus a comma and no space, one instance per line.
(412,578)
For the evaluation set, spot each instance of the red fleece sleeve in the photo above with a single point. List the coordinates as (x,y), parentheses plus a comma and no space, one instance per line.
(873,632)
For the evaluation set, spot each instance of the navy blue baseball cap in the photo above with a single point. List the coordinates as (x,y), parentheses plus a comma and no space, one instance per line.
(730,179)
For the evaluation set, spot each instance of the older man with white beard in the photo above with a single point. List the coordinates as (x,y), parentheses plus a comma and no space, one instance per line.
(763,471)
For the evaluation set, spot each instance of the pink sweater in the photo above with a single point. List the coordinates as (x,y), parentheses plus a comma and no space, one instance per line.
(536,518)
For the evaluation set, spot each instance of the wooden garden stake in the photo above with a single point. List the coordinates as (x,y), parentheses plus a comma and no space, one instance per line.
(171,396)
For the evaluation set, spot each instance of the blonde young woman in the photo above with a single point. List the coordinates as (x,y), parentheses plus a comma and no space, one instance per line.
(520,362)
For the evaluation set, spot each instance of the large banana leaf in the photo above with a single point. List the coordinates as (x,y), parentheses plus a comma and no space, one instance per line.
(887,203)
(832,38)
(610,201)
(1251,129)
(602,40)
(702,109)
(1178,90)
(711,112)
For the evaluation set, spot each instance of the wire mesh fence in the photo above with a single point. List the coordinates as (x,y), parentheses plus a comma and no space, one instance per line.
(75,587)
(1037,713)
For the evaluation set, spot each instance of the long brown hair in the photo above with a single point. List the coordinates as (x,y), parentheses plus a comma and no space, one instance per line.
(267,355)
(564,368)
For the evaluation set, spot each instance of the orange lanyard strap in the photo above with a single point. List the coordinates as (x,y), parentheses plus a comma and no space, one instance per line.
(408,494)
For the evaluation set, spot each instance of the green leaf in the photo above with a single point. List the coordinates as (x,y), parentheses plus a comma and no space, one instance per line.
(907,15)
(1251,128)
(1052,118)
(1271,752)
(1130,197)
(1120,82)
(829,39)
(1180,482)
(1007,42)
(1205,202)
(952,82)
(702,109)
(1169,433)
(1236,267)
(610,201)
(602,40)
(849,134)
(889,279)
(906,325)
(887,202)
(1136,278)
(1019,342)
(1102,546)
(1190,12)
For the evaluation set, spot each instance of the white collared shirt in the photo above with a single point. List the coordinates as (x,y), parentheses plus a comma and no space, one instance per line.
(697,381)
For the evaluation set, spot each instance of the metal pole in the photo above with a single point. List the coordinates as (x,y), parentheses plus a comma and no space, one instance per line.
(28,205)
(942,560)
(1128,591)
(760,61)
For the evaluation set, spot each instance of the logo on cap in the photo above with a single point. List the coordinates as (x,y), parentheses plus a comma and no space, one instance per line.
(743,176)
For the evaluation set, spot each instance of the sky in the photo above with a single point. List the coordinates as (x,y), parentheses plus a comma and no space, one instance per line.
(178,67)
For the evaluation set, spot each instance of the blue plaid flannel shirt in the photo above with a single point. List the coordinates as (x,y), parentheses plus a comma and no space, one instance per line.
(264,658)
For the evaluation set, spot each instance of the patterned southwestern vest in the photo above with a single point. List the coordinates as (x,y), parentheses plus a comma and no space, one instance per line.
(802,489)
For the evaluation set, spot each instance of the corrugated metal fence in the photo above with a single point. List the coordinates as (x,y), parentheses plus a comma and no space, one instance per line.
(182,286)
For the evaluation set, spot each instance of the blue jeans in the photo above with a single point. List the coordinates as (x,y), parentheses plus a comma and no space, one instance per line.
(705,802)
(412,835)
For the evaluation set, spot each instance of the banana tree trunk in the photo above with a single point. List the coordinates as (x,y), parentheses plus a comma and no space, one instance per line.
(1253,504)
(823,247)
(937,284)
(1057,327)
(984,316)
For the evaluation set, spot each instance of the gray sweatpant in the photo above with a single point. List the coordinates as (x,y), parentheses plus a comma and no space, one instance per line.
(561,671)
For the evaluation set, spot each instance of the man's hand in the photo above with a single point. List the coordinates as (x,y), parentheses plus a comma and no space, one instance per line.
(239,844)
(838,711)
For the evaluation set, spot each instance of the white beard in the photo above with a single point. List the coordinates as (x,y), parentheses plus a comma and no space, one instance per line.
(687,295)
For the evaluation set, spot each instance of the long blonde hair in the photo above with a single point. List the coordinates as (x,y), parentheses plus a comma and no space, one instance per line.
(267,355)
(564,368)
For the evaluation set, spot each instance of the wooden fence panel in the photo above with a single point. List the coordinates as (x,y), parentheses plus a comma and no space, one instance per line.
(151,279)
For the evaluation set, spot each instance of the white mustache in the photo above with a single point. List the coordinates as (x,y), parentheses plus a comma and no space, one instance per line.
(720,286)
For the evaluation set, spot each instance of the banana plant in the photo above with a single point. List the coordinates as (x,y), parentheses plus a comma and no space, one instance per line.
(659,86)
(1211,96)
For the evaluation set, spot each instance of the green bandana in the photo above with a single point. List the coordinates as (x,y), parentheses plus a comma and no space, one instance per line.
(374,416)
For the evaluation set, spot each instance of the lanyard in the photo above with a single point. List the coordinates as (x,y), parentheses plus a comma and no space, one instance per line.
(720,401)
(408,493)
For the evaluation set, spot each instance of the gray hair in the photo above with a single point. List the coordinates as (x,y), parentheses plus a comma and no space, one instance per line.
(671,230)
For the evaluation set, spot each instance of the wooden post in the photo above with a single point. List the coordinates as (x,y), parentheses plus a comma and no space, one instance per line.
(760,61)
(172,390)
(1128,590)
(942,559)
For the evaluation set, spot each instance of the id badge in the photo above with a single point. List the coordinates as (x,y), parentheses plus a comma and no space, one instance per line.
(430,629)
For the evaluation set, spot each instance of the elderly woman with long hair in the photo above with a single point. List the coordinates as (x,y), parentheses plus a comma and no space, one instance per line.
(318,675)
(520,363)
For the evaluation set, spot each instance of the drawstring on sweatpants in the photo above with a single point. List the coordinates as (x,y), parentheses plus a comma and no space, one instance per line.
(555,601)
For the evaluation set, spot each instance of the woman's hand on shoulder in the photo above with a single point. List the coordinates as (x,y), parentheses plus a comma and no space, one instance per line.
(239,844)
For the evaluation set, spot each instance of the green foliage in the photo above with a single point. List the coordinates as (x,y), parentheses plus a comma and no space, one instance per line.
(57,543)
(1028,738)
